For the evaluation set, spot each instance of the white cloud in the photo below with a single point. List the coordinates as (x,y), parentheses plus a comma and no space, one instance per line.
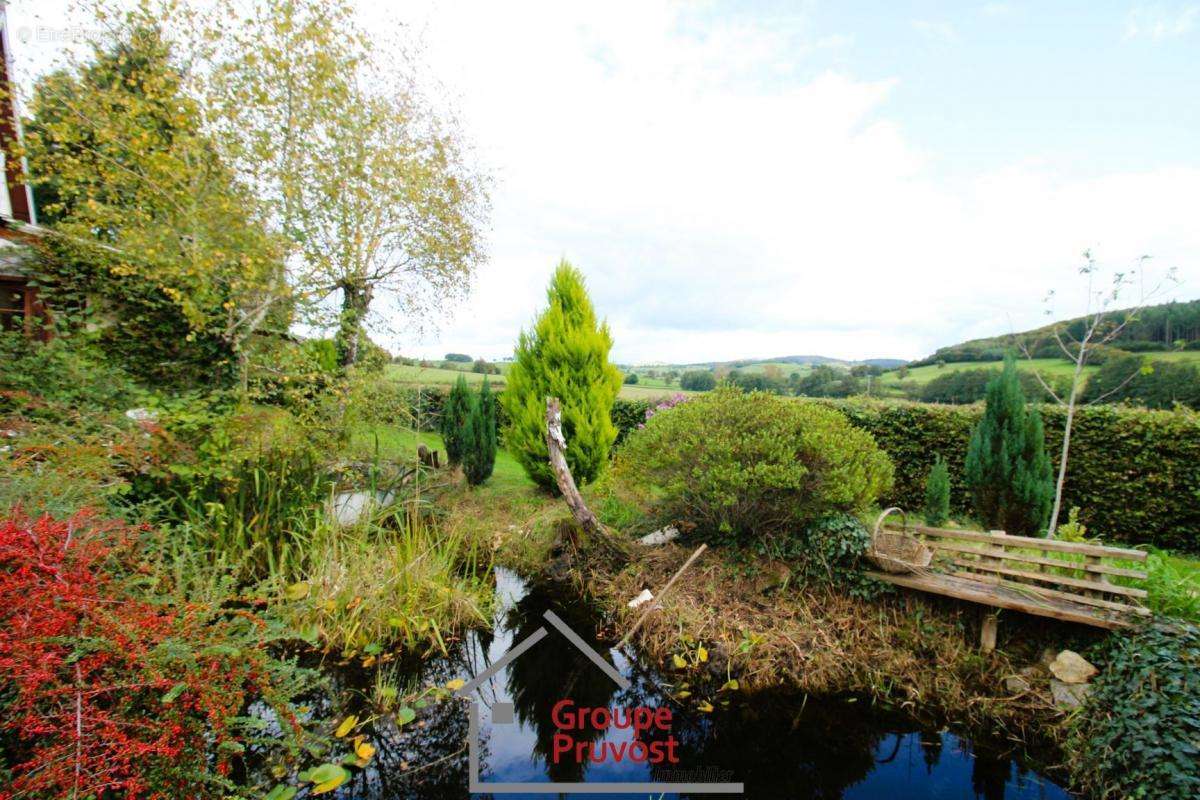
(725,204)
(1156,22)
(727,198)
(936,30)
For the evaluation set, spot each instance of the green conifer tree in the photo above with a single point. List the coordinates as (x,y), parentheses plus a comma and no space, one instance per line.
(937,493)
(479,437)
(454,419)
(1007,468)
(565,355)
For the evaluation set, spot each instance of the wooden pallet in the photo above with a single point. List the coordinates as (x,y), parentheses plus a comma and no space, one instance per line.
(1063,580)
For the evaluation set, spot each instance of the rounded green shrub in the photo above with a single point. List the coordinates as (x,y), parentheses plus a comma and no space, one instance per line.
(740,467)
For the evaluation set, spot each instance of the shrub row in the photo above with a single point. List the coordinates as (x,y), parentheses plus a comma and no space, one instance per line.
(426,407)
(1134,473)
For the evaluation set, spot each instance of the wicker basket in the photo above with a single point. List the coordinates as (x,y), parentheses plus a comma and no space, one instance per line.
(895,552)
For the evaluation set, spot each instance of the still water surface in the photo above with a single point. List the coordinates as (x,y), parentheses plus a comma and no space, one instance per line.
(778,746)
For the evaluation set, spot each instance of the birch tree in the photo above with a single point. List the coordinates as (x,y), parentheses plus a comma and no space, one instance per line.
(368,179)
(1102,324)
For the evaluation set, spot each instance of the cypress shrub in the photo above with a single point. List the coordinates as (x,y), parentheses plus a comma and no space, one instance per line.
(1007,468)
(479,437)
(455,412)
(565,355)
(937,493)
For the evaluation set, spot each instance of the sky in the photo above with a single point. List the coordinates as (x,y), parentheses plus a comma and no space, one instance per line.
(756,179)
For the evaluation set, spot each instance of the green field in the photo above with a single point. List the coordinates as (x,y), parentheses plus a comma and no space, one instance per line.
(436,376)
(1049,368)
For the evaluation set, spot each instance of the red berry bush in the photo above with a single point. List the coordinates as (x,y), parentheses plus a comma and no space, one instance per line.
(107,687)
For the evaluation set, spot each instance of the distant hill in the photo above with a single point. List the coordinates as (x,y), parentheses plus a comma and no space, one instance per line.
(1168,326)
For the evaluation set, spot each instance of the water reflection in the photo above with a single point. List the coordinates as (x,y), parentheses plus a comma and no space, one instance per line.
(779,745)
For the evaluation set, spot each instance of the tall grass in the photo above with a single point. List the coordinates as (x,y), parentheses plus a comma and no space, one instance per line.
(260,515)
(398,579)
(1173,584)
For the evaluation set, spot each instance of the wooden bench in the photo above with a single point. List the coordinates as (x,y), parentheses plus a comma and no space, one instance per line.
(1070,581)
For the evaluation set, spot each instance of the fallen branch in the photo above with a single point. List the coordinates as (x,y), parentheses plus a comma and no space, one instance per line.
(556,444)
(654,604)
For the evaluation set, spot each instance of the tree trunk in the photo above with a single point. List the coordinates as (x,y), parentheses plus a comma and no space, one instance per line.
(356,300)
(556,443)
(1066,446)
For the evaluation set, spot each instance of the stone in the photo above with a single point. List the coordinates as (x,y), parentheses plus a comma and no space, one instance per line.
(1048,655)
(660,536)
(1070,667)
(1068,696)
(1017,684)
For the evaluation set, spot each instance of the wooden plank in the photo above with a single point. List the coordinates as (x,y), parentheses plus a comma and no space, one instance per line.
(990,595)
(1034,543)
(1110,588)
(1041,591)
(1008,555)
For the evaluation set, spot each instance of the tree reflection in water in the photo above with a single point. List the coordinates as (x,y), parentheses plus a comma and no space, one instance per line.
(555,671)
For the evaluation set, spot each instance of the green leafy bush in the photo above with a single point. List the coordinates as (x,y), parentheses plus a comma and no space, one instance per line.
(831,551)
(937,494)
(740,467)
(628,416)
(564,356)
(1139,733)
(52,378)
(1007,466)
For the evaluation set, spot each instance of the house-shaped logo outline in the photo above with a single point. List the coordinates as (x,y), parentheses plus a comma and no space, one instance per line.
(478,786)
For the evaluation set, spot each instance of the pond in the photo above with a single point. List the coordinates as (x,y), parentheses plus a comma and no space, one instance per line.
(778,746)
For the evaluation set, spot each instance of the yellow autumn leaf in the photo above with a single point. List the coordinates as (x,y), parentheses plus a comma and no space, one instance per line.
(730,685)
(368,661)
(297,591)
(702,654)
(329,786)
(683,694)
(347,725)
(678,660)
(364,751)
(704,706)
(455,684)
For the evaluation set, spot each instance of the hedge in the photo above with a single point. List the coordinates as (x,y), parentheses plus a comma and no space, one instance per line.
(1133,473)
